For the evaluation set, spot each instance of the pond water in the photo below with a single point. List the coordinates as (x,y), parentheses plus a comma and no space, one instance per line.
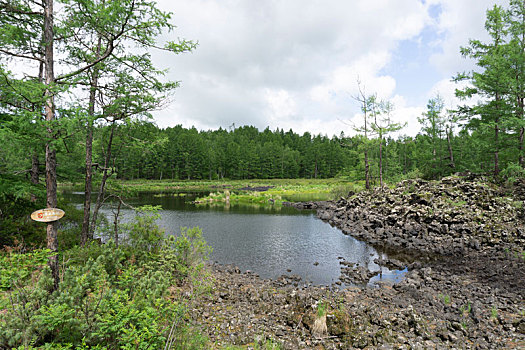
(267,240)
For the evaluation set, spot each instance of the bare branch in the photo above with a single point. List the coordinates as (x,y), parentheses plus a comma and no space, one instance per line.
(6,8)
(9,53)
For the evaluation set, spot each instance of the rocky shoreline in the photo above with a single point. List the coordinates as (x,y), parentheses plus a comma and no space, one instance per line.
(464,289)
(450,217)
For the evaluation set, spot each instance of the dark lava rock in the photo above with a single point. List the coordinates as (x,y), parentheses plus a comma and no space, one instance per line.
(464,287)
(452,217)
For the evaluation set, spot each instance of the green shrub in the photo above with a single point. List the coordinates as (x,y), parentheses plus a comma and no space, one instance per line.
(108,297)
(143,235)
(17,268)
(413,174)
(345,190)
(512,172)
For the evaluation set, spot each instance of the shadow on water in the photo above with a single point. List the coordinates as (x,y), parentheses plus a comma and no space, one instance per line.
(268,240)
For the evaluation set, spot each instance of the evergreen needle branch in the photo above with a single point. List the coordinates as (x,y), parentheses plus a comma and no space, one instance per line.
(5,7)
(107,52)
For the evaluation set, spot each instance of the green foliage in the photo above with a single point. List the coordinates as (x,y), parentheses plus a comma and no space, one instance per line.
(465,310)
(446,299)
(455,203)
(279,190)
(188,338)
(321,309)
(189,249)
(108,297)
(15,208)
(261,342)
(345,191)
(142,234)
(411,175)
(269,344)
(494,313)
(69,226)
(19,267)
(498,83)
(512,173)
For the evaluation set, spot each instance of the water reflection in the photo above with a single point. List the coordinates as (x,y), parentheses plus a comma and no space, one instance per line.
(266,240)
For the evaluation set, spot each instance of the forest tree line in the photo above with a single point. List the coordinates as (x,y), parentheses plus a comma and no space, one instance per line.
(144,151)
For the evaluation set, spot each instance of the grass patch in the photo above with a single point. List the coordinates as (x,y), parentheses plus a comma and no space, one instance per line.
(446,299)
(277,192)
(494,313)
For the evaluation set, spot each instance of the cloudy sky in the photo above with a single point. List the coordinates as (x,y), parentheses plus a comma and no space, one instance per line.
(295,63)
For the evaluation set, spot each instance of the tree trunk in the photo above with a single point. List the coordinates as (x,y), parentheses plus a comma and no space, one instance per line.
(367,171)
(115,222)
(450,152)
(35,164)
(521,160)
(367,167)
(105,175)
(381,161)
(522,131)
(282,165)
(496,151)
(86,232)
(51,175)
(521,100)
(405,170)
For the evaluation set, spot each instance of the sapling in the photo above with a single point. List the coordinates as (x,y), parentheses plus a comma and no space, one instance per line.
(319,328)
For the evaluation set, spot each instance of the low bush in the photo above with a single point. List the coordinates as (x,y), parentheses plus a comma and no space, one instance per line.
(109,297)
(512,173)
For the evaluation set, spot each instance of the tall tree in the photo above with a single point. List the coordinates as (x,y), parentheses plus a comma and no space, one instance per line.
(102,42)
(51,165)
(450,120)
(366,103)
(432,122)
(492,82)
(382,125)
(516,46)
(28,26)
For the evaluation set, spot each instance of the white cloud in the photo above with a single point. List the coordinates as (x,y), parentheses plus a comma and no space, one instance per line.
(294,64)
(408,115)
(446,89)
(459,22)
(281,105)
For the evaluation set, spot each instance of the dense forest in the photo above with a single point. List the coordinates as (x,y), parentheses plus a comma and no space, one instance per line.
(144,151)
(141,150)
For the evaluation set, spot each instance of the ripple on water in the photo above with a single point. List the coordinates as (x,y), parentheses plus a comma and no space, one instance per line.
(268,243)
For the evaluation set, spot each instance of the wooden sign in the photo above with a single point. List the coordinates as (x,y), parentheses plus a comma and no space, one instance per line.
(47,215)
